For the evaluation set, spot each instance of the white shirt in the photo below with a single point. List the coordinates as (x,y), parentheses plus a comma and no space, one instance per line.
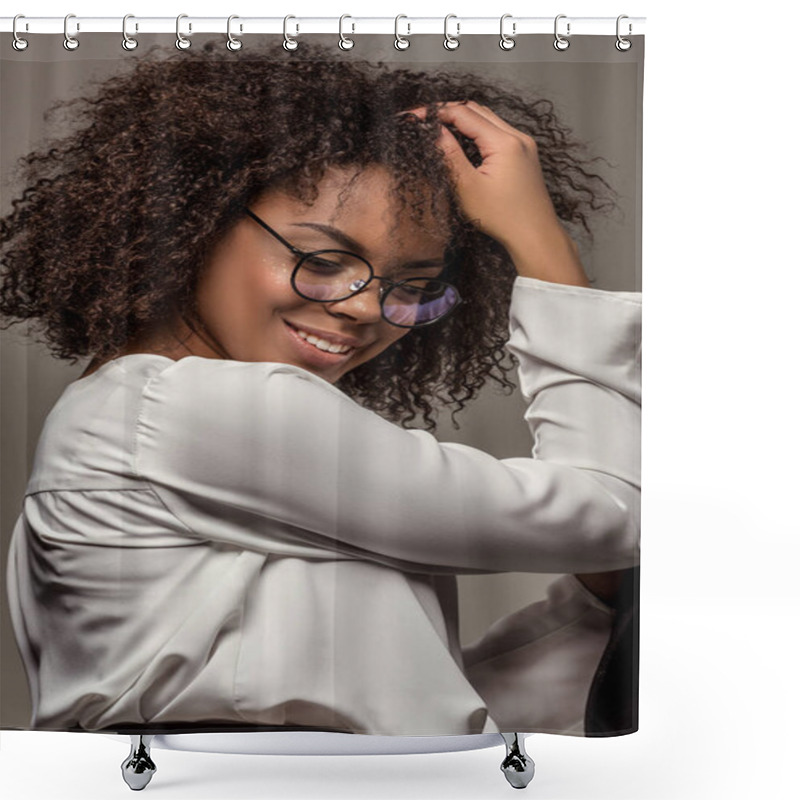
(237,542)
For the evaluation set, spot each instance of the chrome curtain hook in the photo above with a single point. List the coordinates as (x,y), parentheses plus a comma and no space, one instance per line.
(70,42)
(289,42)
(400,42)
(18,43)
(623,44)
(129,42)
(560,42)
(233,44)
(182,43)
(507,42)
(451,41)
(344,42)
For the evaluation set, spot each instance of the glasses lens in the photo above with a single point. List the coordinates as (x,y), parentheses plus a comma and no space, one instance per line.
(331,275)
(419,301)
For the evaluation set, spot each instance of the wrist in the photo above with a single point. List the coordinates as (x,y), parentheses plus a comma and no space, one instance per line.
(548,256)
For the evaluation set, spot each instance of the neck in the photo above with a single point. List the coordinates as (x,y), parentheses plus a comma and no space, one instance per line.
(184,335)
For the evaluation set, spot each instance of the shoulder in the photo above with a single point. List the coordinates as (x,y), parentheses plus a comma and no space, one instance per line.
(204,416)
(86,439)
(197,391)
(206,376)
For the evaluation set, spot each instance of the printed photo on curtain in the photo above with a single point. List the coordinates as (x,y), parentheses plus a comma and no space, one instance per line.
(321,386)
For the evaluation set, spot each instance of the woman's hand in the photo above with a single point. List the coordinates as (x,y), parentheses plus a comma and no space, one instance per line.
(506,196)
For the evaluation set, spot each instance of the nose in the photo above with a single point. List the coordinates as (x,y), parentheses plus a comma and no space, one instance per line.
(365,306)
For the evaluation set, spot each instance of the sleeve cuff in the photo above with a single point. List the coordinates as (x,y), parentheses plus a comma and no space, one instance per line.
(584,331)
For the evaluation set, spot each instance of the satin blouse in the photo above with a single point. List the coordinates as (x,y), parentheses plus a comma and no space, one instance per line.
(209,540)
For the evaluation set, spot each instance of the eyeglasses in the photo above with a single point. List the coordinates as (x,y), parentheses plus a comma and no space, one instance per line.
(327,276)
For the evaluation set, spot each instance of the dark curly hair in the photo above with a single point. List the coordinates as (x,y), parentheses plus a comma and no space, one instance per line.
(119,217)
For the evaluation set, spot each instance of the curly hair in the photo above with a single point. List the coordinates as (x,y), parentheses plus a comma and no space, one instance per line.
(120,216)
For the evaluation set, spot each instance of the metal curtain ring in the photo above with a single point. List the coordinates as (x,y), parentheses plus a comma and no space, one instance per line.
(451,42)
(289,42)
(233,44)
(623,44)
(70,42)
(507,42)
(18,43)
(400,42)
(560,42)
(344,42)
(128,42)
(182,43)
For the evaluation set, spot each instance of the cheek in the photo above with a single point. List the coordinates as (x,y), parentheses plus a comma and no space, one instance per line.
(241,296)
(262,289)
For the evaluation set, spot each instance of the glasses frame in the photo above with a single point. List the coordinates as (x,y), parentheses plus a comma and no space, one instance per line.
(383,292)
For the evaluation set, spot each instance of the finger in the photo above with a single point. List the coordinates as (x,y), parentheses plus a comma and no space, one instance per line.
(452,151)
(417,111)
(420,112)
(454,155)
(484,111)
(488,136)
(496,119)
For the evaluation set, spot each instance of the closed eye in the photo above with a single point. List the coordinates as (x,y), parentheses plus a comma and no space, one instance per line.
(419,269)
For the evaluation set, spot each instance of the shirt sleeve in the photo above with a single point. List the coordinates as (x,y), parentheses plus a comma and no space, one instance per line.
(262,455)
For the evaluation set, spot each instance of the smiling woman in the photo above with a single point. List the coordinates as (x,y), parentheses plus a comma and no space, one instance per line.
(225,524)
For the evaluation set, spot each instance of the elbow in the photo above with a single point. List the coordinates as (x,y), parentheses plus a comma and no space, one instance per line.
(619,541)
(615,521)
(619,544)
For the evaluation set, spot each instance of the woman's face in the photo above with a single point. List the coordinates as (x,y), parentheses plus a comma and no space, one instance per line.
(245,297)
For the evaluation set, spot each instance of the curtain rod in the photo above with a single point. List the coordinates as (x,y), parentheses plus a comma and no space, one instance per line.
(297,25)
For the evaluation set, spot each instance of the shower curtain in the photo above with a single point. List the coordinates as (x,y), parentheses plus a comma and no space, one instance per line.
(248,535)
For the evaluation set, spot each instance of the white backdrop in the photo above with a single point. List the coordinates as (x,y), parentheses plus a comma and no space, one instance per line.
(720,606)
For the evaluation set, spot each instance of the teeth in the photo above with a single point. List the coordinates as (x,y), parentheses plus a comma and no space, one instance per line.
(321,344)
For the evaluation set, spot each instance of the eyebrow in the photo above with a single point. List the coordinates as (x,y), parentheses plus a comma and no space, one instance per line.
(351,244)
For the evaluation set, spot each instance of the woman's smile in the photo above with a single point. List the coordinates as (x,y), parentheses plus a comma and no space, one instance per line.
(320,352)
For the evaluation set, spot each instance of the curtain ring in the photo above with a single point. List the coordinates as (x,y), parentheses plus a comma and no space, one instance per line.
(18,43)
(70,42)
(507,42)
(450,41)
(344,42)
(233,44)
(182,43)
(128,42)
(289,42)
(623,44)
(400,42)
(560,42)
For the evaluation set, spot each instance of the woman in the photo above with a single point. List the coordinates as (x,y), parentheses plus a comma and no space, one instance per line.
(219,529)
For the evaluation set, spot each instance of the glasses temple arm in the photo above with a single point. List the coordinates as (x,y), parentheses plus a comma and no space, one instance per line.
(280,238)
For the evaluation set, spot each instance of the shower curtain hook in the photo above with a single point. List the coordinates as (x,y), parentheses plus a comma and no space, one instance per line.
(344,42)
(507,42)
(451,41)
(18,43)
(400,42)
(289,42)
(233,44)
(70,42)
(129,42)
(182,43)
(560,42)
(623,44)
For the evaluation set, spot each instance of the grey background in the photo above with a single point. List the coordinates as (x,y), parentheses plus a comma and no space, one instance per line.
(597,92)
